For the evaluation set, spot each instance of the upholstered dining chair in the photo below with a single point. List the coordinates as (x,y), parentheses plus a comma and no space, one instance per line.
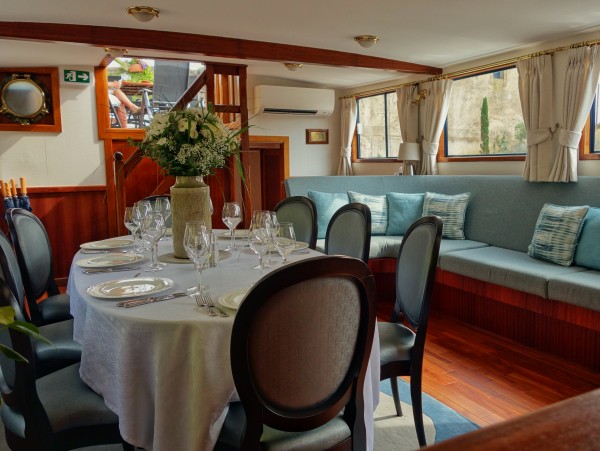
(402,347)
(34,255)
(63,351)
(302,212)
(55,412)
(349,232)
(300,347)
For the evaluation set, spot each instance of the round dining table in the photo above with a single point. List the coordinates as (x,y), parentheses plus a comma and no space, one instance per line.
(164,367)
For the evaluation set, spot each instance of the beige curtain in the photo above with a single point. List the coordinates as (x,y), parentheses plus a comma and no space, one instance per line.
(535,92)
(348,124)
(408,113)
(433,113)
(579,90)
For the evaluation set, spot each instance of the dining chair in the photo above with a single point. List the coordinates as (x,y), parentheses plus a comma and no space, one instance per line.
(34,255)
(63,350)
(402,347)
(349,232)
(54,412)
(300,347)
(302,212)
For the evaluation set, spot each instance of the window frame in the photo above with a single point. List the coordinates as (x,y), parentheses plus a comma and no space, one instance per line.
(356,137)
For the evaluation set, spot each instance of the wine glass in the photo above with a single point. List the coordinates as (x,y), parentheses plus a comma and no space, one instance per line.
(163,206)
(258,237)
(153,229)
(232,216)
(196,241)
(285,241)
(143,209)
(132,226)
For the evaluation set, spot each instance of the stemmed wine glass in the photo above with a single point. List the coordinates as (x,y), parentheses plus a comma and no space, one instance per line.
(132,226)
(196,241)
(285,241)
(142,209)
(232,216)
(258,238)
(153,229)
(163,206)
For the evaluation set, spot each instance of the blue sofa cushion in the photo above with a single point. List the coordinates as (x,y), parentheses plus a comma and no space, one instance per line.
(556,233)
(587,252)
(403,210)
(327,204)
(379,210)
(451,208)
(582,289)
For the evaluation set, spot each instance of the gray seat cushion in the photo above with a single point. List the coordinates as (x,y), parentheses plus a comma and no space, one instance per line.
(512,269)
(395,342)
(63,351)
(582,289)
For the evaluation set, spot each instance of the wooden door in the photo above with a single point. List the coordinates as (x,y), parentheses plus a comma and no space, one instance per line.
(269,168)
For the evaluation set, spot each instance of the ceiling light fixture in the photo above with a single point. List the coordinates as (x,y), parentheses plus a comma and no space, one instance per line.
(115,53)
(143,13)
(293,66)
(366,40)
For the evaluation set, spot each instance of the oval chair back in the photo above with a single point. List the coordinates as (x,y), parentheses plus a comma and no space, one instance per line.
(349,232)
(302,212)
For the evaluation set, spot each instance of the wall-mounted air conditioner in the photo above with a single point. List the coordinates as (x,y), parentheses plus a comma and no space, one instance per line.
(290,100)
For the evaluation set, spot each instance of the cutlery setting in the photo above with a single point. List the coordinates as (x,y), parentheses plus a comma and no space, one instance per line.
(205,300)
(136,302)
(102,251)
(105,270)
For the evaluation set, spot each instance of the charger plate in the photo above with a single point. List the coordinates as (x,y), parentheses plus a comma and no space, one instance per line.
(233,299)
(129,288)
(111,243)
(109,260)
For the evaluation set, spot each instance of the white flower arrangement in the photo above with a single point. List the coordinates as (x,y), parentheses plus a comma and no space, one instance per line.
(190,142)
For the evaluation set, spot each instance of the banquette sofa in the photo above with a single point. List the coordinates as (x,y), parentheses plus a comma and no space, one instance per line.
(488,278)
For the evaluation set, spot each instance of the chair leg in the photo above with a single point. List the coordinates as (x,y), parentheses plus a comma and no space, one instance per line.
(417,406)
(396,395)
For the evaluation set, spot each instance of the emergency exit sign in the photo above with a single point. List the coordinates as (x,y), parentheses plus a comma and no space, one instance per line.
(76,76)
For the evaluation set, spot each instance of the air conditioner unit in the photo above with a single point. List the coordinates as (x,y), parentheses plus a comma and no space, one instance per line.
(290,100)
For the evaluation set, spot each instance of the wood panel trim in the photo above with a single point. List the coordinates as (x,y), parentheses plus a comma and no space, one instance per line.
(64,189)
(215,46)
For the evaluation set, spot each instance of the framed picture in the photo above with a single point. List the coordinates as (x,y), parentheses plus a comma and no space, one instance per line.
(317,136)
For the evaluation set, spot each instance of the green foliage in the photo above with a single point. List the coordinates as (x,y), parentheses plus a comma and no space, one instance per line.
(7,318)
(485,128)
(146,75)
(501,143)
(520,132)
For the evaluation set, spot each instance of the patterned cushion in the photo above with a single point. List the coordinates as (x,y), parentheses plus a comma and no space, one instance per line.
(587,252)
(327,204)
(451,208)
(556,233)
(379,210)
(403,210)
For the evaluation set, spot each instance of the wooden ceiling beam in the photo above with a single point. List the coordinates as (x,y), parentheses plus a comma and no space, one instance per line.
(210,46)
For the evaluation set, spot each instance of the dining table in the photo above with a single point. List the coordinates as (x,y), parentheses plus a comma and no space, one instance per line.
(164,367)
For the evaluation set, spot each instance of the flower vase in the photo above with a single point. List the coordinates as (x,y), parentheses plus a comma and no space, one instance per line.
(190,201)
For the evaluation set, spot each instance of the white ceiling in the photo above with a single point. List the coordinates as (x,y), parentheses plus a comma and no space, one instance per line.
(438,33)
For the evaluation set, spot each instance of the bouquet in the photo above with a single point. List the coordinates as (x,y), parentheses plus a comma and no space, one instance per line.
(190,142)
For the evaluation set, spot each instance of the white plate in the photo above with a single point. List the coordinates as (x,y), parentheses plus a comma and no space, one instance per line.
(111,243)
(299,246)
(129,288)
(109,260)
(233,299)
(239,233)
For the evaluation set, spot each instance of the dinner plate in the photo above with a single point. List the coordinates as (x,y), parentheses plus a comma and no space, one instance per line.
(129,288)
(233,299)
(299,246)
(111,243)
(109,260)
(239,233)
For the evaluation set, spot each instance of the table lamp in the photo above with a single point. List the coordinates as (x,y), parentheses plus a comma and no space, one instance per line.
(409,152)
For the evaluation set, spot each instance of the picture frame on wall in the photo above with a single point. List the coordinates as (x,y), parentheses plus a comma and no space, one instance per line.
(317,136)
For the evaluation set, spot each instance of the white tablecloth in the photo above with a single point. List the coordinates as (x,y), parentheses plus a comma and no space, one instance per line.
(164,368)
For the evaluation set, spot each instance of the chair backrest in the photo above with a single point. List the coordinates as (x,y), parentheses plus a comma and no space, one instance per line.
(171,80)
(302,212)
(34,255)
(9,268)
(415,271)
(300,346)
(349,232)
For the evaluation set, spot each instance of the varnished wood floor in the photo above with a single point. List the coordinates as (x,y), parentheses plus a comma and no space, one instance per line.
(489,379)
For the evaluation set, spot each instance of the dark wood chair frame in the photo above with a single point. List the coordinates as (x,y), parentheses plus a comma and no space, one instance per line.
(365,213)
(310,206)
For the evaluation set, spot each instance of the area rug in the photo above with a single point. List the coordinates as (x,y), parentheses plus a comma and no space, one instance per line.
(398,433)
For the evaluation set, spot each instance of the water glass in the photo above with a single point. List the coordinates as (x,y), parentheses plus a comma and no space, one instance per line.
(285,240)
(153,229)
(196,241)
(232,216)
(163,206)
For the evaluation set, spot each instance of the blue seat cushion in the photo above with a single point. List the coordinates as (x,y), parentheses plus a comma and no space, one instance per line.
(582,289)
(587,252)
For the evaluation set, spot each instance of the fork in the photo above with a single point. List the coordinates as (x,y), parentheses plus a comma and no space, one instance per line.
(211,305)
(201,302)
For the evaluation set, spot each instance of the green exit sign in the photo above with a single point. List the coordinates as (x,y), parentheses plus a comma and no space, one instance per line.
(76,76)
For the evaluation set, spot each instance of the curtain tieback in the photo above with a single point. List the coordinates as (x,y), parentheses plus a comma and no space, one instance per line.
(429,148)
(346,152)
(568,138)
(538,136)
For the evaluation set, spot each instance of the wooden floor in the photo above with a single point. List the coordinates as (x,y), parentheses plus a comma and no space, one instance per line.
(488,379)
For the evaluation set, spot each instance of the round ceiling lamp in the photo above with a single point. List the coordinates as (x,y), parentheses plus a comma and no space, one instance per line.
(115,53)
(366,40)
(143,13)
(293,66)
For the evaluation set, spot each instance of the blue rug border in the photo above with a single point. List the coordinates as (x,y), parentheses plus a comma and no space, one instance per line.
(448,423)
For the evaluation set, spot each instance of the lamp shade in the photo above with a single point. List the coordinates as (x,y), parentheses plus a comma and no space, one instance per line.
(409,152)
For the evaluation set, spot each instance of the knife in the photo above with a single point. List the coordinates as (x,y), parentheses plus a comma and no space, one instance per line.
(121,268)
(136,302)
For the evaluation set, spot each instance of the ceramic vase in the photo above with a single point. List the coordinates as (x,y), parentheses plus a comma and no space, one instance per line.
(190,201)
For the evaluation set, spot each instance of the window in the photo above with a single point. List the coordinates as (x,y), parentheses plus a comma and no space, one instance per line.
(485,116)
(378,127)
(595,123)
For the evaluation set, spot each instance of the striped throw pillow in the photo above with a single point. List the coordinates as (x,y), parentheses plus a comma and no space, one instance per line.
(556,233)
(451,208)
(379,210)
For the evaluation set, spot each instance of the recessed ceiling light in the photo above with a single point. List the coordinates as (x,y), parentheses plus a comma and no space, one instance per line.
(366,40)
(143,13)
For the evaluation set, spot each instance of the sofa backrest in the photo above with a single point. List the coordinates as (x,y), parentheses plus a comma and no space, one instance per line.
(502,210)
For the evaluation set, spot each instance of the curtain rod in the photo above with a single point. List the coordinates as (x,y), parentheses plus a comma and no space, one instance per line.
(473,70)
